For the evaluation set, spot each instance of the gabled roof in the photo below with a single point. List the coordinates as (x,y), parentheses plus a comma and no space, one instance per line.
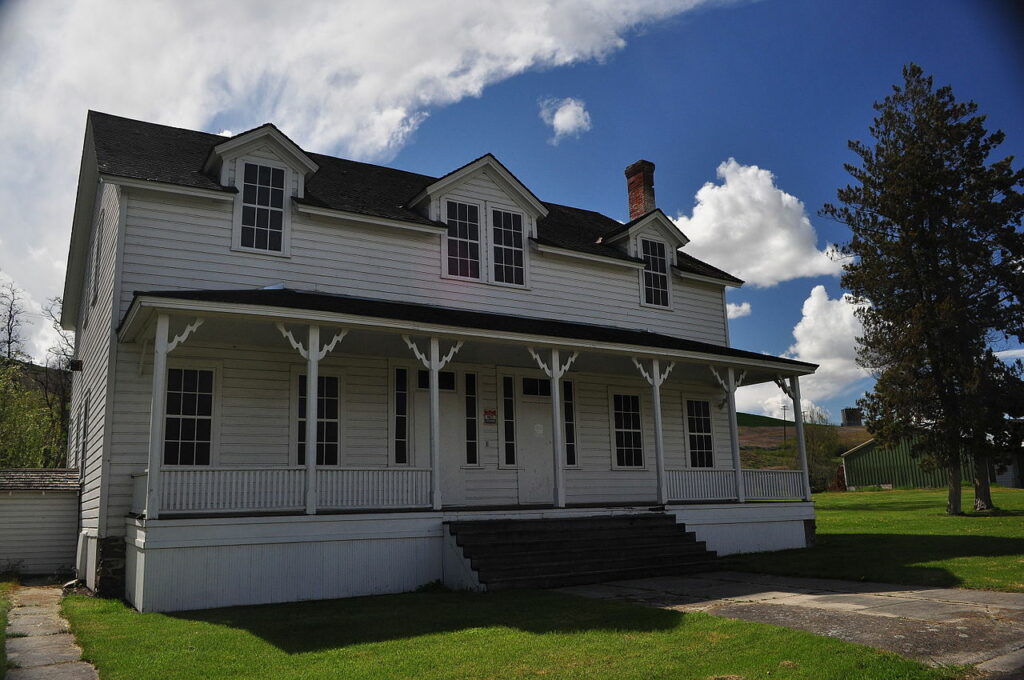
(503,175)
(39,479)
(266,131)
(656,216)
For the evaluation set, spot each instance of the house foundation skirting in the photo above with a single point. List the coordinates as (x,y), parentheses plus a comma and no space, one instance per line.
(191,563)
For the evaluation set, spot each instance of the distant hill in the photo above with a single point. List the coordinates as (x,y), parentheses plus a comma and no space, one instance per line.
(751,420)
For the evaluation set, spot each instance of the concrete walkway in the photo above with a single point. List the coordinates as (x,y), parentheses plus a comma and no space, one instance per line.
(933,625)
(38,642)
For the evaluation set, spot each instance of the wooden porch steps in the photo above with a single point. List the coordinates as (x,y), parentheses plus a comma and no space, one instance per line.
(551,553)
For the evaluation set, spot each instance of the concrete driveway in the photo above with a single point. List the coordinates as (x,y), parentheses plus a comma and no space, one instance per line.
(933,625)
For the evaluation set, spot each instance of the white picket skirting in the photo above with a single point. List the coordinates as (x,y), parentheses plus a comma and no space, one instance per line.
(772,484)
(342,488)
(701,484)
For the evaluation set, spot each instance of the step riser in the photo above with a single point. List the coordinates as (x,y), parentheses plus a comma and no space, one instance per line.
(589,552)
(594,535)
(566,580)
(554,557)
(541,525)
(549,568)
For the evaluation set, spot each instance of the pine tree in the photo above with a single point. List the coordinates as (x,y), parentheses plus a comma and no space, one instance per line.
(937,255)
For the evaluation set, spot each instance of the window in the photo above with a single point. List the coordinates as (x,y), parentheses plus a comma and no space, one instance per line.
(472,454)
(463,240)
(536,387)
(96,254)
(569,416)
(629,451)
(698,427)
(401,416)
(507,229)
(508,414)
(445,380)
(189,421)
(262,208)
(655,273)
(328,421)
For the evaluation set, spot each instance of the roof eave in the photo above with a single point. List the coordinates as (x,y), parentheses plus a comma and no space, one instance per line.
(486,161)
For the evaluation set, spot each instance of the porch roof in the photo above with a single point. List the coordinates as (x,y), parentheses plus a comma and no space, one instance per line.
(445,320)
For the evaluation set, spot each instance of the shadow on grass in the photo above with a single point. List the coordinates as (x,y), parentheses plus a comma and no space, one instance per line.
(892,558)
(329,624)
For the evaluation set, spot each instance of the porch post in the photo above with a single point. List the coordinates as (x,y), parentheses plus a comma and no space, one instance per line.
(312,417)
(741,492)
(158,405)
(659,437)
(798,418)
(435,424)
(556,429)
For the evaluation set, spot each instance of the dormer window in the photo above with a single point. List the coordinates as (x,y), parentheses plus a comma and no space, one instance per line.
(262,215)
(490,251)
(508,247)
(655,274)
(463,240)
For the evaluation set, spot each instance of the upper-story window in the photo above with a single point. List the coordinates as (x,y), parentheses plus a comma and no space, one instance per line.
(263,216)
(655,272)
(493,252)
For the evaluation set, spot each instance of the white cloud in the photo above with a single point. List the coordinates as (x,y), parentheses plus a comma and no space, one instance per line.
(354,78)
(753,229)
(735,311)
(1011,355)
(825,335)
(567,117)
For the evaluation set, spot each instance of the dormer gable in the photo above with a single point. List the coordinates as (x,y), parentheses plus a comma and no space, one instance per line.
(489,166)
(266,142)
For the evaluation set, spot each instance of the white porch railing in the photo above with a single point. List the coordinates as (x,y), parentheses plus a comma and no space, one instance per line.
(701,484)
(232,489)
(343,488)
(771,484)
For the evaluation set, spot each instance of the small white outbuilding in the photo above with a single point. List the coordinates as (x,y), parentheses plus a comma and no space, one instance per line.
(38,520)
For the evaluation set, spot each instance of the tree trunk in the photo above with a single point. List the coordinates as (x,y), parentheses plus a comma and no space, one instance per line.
(982,490)
(953,502)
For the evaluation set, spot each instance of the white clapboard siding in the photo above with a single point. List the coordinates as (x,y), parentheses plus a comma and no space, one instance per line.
(38,531)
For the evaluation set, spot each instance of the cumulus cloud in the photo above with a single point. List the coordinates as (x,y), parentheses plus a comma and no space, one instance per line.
(1011,355)
(751,228)
(354,78)
(567,117)
(825,335)
(735,311)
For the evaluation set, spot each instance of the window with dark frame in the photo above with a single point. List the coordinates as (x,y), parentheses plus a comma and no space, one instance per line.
(401,416)
(629,451)
(698,428)
(463,220)
(508,413)
(188,428)
(328,420)
(472,453)
(569,416)
(655,272)
(507,230)
(445,380)
(536,387)
(262,208)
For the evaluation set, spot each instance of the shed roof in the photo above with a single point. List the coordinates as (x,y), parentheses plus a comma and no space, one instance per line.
(39,479)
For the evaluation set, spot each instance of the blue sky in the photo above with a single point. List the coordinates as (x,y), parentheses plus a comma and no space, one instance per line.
(777,85)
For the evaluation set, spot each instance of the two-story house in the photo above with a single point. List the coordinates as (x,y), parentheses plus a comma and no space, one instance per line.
(305,377)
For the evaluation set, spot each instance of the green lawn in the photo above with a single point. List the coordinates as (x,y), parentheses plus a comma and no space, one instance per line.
(440,635)
(906,537)
(5,603)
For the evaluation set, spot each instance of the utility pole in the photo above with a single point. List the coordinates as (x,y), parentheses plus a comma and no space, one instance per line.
(785,407)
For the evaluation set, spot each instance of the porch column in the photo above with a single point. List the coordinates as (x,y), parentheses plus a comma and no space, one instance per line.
(659,436)
(741,492)
(158,405)
(312,399)
(798,418)
(435,423)
(557,434)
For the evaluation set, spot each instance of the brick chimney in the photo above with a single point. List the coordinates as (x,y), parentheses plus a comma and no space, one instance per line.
(640,185)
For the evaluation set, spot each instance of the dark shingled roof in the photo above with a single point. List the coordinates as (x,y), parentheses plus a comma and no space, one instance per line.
(39,479)
(158,153)
(460,318)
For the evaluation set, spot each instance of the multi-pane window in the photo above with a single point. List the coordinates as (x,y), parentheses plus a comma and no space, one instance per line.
(328,421)
(262,208)
(569,416)
(508,412)
(698,427)
(536,387)
(507,230)
(472,454)
(189,423)
(655,272)
(445,380)
(401,416)
(463,221)
(629,451)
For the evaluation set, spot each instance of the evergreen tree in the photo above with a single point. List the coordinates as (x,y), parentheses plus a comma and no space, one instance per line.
(937,254)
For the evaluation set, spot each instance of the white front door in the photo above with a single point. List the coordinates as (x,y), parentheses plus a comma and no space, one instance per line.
(453,443)
(536,465)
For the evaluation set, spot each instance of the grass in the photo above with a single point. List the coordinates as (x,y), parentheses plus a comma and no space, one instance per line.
(753,420)
(905,537)
(435,635)
(6,586)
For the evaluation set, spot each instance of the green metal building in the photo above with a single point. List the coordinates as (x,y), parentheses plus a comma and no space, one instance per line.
(872,465)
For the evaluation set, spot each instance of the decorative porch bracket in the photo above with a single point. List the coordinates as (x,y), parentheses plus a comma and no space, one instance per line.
(730,385)
(555,370)
(793,392)
(434,363)
(312,397)
(655,378)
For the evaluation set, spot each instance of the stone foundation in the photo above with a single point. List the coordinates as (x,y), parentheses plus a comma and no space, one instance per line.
(110,567)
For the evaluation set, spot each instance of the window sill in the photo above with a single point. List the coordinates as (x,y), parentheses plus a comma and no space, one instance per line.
(266,253)
(664,308)
(486,282)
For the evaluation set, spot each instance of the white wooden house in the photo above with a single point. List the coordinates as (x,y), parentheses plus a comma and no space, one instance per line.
(302,377)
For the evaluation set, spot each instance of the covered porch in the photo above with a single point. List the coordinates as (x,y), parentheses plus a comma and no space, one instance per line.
(321,404)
